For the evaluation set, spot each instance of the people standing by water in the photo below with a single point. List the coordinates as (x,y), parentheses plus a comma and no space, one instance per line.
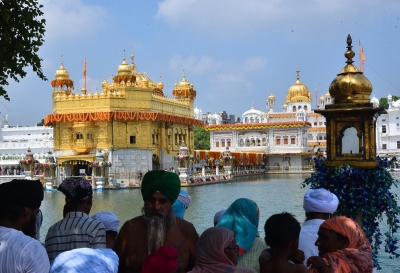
(242,218)
(319,205)
(282,236)
(20,201)
(76,230)
(217,251)
(158,226)
(342,247)
(111,224)
(182,204)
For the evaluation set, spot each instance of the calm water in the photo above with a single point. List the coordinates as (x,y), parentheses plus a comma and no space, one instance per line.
(272,195)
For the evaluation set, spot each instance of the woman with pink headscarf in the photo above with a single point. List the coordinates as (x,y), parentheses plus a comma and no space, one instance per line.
(216,252)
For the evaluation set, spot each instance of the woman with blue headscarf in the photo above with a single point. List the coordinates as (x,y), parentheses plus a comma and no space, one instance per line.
(242,219)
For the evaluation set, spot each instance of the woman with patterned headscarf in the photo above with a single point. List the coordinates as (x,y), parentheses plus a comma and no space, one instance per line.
(242,219)
(342,247)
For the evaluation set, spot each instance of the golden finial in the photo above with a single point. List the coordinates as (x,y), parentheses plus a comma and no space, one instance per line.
(62,63)
(160,79)
(298,74)
(349,54)
(184,76)
(124,55)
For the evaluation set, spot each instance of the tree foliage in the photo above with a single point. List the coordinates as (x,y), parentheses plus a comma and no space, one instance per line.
(383,102)
(21,35)
(201,138)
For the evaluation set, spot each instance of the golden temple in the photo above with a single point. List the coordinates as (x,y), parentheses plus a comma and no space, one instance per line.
(134,124)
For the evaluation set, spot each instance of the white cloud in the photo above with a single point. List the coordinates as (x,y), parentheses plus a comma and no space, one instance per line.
(71,19)
(254,64)
(232,16)
(191,64)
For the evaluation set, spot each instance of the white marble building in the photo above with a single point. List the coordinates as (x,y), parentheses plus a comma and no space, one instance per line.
(15,141)
(388,129)
(296,130)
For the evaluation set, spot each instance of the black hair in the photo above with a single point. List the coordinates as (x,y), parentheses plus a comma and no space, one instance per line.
(280,229)
(11,212)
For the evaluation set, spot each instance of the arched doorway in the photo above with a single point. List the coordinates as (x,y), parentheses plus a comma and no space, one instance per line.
(155,162)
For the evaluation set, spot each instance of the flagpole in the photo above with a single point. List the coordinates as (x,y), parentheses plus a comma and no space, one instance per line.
(84,74)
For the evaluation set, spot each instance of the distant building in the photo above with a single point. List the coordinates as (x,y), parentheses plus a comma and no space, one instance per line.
(15,141)
(293,134)
(388,129)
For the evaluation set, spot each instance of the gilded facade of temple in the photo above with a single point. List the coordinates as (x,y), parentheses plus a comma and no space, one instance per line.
(131,121)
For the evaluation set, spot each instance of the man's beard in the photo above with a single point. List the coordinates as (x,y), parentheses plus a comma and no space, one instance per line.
(158,224)
(30,228)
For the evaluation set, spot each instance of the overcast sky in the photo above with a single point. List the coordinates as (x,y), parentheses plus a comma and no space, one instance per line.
(234,51)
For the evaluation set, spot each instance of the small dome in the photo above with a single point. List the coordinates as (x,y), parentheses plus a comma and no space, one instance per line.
(322,98)
(62,73)
(160,84)
(390,96)
(124,69)
(374,100)
(284,106)
(350,85)
(184,82)
(298,91)
(327,94)
(271,97)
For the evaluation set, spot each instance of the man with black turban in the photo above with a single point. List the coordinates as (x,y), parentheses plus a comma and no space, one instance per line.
(157,227)
(19,204)
(77,229)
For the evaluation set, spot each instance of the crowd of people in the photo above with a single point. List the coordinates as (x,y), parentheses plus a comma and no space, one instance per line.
(161,241)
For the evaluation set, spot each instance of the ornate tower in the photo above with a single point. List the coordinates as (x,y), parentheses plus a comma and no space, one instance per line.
(270,103)
(351,118)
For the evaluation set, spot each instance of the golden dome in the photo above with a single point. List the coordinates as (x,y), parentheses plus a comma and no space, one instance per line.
(62,73)
(160,85)
(124,69)
(184,82)
(350,85)
(327,94)
(272,97)
(322,98)
(285,106)
(298,92)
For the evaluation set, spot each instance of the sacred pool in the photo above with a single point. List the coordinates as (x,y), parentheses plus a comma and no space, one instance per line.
(273,194)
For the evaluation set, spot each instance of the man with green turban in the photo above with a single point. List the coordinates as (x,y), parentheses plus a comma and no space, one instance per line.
(157,226)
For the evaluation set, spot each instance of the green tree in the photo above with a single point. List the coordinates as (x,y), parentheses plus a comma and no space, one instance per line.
(201,138)
(384,103)
(40,123)
(21,35)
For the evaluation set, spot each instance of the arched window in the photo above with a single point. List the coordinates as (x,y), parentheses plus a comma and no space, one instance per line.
(294,108)
(305,108)
(299,108)
(277,141)
(285,140)
(293,140)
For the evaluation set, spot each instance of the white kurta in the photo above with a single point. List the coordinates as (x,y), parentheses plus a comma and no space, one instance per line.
(308,236)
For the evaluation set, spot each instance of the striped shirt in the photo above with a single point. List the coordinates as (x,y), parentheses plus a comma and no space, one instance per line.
(76,230)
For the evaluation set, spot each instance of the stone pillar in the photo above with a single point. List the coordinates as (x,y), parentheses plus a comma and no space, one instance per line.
(203,171)
(216,170)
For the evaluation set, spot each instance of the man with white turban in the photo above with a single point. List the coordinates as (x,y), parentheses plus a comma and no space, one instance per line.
(319,205)
(111,224)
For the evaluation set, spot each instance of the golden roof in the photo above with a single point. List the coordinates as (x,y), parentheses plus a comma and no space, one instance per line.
(160,85)
(61,72)
(298,92)
(271,96)
(124,69)
(350,85)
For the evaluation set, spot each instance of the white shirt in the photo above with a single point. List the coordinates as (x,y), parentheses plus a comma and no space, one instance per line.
(308,236)
(20,253)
